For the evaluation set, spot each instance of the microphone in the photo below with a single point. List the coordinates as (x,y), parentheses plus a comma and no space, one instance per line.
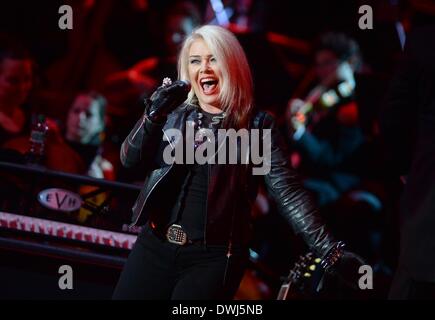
(167,97)
(186,83)
(168,84)
(183,85)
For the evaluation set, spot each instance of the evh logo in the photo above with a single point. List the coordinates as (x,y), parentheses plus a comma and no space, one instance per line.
(60,200)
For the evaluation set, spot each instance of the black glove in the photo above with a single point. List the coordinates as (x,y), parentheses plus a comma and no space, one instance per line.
(345,265)
(347,269)
(165,99)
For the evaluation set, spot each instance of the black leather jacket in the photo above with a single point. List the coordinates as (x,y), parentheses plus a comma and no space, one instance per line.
(232,188)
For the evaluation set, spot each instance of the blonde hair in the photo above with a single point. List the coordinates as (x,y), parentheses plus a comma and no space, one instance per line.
(236,89)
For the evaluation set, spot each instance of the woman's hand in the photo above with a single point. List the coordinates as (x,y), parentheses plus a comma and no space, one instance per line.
(347,268)
(166,98)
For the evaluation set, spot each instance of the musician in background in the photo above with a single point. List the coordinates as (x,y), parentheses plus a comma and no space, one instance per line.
(79,149)
(16,82)
(85,133)
(335,150)
(324,126)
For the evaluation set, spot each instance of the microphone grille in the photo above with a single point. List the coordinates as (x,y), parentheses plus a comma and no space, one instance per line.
(187,83)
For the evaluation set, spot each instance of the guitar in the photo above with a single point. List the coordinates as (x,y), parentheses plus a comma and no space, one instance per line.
(303,280)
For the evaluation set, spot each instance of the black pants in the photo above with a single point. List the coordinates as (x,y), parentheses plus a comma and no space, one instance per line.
(157,269)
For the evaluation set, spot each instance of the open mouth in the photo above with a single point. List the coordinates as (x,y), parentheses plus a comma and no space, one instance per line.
(208,85)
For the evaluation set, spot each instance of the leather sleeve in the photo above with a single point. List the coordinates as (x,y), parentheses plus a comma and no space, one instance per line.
(294,203)
(145,135)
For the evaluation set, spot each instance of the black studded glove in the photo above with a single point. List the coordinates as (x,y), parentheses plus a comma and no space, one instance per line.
(165,99)
(343,264)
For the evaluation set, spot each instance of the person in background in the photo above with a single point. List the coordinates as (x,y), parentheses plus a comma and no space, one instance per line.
(16,82)
(323,125)
(79,149)
(333,152)
(85,133)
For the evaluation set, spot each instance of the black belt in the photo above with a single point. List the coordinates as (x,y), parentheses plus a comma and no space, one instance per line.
(175,234)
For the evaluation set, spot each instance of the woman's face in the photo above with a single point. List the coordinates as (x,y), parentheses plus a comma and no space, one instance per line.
(84,120)
(205,74)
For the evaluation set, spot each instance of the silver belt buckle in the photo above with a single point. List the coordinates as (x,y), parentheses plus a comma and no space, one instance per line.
(176,234)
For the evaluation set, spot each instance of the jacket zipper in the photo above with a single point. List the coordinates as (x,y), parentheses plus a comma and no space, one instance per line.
(206,206)
(149,193)
(230,247)
(153,187)
(228,255)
